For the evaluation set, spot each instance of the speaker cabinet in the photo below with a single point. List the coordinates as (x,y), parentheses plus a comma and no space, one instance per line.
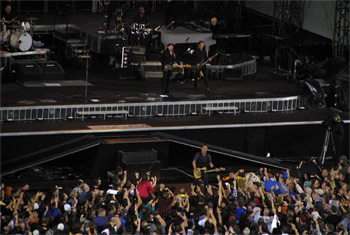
(29,71)
(52,70)
(140,161)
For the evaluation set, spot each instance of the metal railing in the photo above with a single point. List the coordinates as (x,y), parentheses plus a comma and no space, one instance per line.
(287,59)
(147,109)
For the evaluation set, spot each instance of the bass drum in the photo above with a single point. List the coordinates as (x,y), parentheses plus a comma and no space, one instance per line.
(21,41)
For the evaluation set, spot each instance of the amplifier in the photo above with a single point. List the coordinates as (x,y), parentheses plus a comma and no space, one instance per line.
(52,70)
(151,69)
(29,71)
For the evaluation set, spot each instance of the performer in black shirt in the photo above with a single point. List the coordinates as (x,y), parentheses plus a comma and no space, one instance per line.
(200,56)
(112,8)
(214,27)
(8,17)
(201,160)
(168,59)
(141,17)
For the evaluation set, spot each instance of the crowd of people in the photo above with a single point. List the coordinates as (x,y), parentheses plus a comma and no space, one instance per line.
(305,200)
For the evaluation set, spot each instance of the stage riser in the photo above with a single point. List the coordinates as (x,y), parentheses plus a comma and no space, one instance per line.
(165,109)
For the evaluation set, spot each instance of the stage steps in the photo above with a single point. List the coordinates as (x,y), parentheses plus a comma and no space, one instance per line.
(75,42)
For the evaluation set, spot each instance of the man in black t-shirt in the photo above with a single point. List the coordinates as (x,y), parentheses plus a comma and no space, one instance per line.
(168,60)
(8,17)
(141,17)
(202,159)
(200,56)
(214,27)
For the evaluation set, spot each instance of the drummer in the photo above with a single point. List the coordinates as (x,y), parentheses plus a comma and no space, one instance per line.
(141,17)
(8,17)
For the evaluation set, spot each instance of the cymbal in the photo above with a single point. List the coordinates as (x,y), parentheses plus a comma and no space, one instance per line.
(31,18)
(84,56)
(13,26)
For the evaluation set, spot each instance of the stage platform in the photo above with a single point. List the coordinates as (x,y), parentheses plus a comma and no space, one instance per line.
(261,99)
(106,96)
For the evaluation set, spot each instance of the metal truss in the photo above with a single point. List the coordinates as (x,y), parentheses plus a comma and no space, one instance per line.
(290,14)
(341,30)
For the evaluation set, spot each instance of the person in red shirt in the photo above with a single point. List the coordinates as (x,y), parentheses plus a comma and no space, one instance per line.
(145,189)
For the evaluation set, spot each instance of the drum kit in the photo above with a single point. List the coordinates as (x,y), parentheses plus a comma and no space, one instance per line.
(17,37)
(140,35)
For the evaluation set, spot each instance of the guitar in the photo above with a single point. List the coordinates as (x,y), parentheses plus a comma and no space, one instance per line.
(204,170)
(174,66)
(205,62)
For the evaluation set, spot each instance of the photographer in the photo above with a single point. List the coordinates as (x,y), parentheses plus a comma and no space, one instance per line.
(335,124)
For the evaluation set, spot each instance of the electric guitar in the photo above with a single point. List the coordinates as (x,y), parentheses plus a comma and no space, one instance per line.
(204,170)
(174,66)
(205,62)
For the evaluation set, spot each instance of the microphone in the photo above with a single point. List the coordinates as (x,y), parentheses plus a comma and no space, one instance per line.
(169,25)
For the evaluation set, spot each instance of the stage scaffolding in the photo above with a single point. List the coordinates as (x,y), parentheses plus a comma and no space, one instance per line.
(341,30)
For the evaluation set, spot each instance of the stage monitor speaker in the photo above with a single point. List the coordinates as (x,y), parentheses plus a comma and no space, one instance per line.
(138,50)
(233,74)
(52,70)
(154,57)
(137,59)
(151,69)
(140,161)
(29,71)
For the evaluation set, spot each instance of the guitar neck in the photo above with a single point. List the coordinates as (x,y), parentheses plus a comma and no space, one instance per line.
(205,62)
(211,170)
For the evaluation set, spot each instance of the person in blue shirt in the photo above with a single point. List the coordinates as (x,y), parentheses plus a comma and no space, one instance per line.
(100,220)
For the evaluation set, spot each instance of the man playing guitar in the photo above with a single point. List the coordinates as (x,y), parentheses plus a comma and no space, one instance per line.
(168,60)
(200,59)
(202,160)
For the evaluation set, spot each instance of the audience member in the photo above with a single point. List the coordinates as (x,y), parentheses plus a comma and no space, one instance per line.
(264,202)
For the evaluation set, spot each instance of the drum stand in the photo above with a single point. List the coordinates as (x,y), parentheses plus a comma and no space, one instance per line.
(328,137)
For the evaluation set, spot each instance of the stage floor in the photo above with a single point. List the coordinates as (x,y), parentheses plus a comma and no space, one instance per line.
(105,87)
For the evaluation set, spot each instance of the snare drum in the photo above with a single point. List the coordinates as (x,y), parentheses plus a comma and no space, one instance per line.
(20,40)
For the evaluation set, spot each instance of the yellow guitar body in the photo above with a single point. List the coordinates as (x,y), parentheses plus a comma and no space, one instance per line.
(204,170)
(199,172)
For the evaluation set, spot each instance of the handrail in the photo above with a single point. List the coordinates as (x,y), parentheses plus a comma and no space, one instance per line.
(291,49)
(293,59)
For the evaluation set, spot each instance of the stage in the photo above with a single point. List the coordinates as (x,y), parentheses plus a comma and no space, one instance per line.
(86,116)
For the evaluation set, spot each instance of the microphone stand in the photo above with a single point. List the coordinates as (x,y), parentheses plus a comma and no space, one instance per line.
(87,73)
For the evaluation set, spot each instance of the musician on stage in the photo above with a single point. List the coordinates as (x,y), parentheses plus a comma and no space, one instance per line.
(200,160)
(141,17)
(8,17)
(214,27)
(200,56)
(168,60)
(112,8)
